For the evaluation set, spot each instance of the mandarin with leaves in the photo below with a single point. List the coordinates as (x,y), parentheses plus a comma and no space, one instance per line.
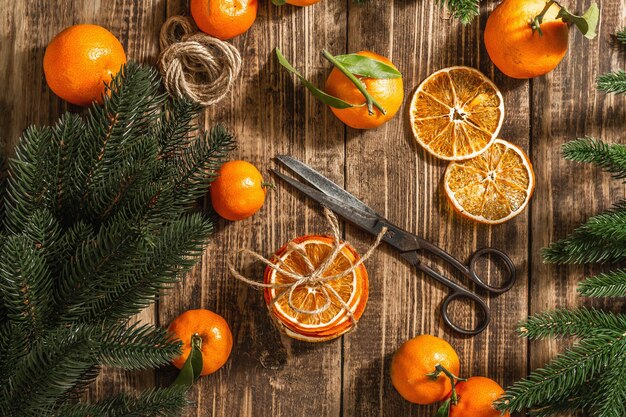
(80,60)
(517,48)
(214,332)
(224,19)
(476,397)
(387,92)
(239,190)
(413,364)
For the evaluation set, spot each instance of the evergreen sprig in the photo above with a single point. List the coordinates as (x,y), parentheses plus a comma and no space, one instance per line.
(590,376)
(607,284)
(612,82)
(463,10)
(95,225)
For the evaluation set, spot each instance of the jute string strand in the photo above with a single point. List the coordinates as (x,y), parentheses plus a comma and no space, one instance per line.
(195,65)
(314,276)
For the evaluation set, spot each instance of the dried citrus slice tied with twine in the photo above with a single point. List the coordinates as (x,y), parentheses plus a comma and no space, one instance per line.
(316,287)
(493,187)
(456,113)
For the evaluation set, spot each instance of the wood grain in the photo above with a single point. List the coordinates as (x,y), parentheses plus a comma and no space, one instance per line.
(270,113)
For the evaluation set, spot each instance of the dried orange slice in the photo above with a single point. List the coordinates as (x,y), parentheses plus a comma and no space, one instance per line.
(351,289)
(456,113)
(493,187)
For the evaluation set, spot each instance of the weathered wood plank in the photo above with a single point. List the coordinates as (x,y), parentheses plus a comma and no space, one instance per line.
(392,173)
(566,106)
(269,375)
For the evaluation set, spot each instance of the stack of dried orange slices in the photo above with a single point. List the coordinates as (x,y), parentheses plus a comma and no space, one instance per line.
(456,115)
(322,310)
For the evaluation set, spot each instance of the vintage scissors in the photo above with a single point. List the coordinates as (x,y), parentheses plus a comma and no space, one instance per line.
(330,195)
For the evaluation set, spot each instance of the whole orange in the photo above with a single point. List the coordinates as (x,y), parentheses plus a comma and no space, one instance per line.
(388,92)
(513,46)
(224,19)
(217,340)
(414,360)
(302,2)
(239,190)
(476,397)
(79,60)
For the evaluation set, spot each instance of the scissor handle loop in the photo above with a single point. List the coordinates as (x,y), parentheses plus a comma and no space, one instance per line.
(510,267)
(480,305)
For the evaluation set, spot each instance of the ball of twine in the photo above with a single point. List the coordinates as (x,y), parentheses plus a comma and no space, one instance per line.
(195,65)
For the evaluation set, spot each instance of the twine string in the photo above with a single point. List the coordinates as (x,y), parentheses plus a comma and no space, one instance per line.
(195,65)
(314,276)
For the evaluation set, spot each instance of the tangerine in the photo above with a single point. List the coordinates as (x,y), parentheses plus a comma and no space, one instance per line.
(417,358)
(224,19)
(80,60)
(239,190)
(217,339)
(388,92)
(518,50)
(476,397)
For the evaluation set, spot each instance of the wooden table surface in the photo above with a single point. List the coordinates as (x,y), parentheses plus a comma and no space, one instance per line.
(270,375)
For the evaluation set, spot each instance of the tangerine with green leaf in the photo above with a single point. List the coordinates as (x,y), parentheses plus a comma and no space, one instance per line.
(475,398)
(214,332)
(387,92)
(529,38)
(413,365)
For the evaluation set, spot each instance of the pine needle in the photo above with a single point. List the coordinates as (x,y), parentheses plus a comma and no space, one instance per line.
(580,322)
(464,10)
(610,157)
(612,82)
(608,284)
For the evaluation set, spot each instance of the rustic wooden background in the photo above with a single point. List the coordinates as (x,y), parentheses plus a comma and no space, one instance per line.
(270,375)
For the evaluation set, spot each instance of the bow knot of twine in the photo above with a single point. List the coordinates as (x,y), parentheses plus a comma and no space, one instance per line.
(314,276)
(195,65)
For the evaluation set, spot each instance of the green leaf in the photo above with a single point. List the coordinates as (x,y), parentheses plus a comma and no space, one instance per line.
(587,23)
(279,2)
(322,96)
(193,365)
(444,410)
(367,67)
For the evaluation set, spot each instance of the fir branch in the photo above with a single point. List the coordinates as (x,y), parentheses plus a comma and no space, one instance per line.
(163,402)
(49,370)
(613,400)
(464,10)
(199,161)
(581,247)
(608,284)
(612,82)
(138,347)
(566,373)
(610,157)
(621,36)
(580,322)
(158,262)
(25,283)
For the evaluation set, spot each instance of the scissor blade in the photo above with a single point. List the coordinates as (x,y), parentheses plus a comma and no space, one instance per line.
(365,221)
(323,184)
